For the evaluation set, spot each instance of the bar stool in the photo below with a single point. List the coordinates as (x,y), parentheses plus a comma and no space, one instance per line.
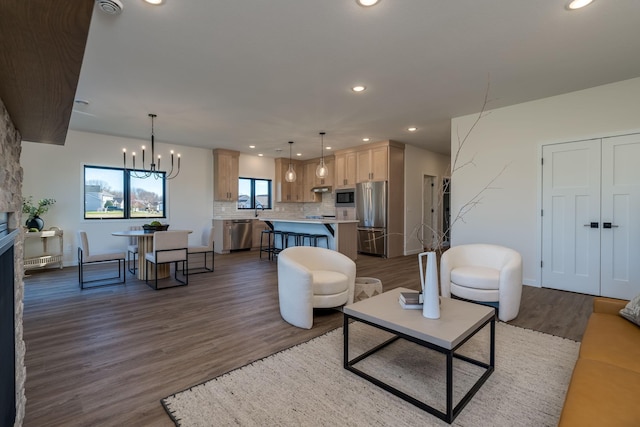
(297,238)
(315,238)
(275,250)
(269,248)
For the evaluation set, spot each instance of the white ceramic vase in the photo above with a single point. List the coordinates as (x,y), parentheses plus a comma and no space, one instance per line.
(429,282)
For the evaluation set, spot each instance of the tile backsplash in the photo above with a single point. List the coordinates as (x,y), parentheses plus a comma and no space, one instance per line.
(229,210)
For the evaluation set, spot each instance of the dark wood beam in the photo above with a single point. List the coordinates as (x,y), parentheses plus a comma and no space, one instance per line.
(43,44)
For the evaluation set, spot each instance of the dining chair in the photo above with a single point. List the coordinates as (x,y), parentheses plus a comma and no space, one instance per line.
(205,248)
(132,250)
(169,247)
(85,256)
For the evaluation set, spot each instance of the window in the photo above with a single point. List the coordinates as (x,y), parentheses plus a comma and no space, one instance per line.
(254,193)
(116,193)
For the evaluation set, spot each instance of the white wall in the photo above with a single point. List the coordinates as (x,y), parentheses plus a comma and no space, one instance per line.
(510,214)
(417,164)
(52,171)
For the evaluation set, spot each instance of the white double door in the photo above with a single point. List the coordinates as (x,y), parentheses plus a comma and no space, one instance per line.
(591,216)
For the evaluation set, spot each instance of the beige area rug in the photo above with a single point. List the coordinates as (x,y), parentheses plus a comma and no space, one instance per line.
(307,385)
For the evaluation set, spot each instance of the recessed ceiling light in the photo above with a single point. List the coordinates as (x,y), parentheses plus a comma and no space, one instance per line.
(358,88)
(252,146)
(298,154)
(366,139)
(154,2)
(367,3)
(578,4)
(327,148)
(260,154)
(412,129)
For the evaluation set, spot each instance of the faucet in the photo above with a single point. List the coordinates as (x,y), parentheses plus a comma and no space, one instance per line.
(258,204)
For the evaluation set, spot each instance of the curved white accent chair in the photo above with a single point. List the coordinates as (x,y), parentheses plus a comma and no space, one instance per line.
(311,277)
(169,247)
(483,273)
(85,256)
(205,248)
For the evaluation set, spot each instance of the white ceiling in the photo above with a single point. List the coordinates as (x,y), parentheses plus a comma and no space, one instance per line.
(230,73)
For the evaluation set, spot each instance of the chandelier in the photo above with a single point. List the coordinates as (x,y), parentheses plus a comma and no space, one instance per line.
(154,168)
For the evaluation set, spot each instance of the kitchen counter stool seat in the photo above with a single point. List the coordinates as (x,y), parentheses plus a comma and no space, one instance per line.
(269,247)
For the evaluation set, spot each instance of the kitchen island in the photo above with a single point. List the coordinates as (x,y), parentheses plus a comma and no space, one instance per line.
(341,234)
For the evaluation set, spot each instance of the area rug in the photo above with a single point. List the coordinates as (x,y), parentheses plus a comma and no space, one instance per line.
(307,385)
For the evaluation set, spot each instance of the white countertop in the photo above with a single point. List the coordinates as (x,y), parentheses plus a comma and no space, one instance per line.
(311,220)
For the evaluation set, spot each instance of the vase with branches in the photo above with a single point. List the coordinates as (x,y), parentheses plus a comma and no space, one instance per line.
(428,271)
(34,210)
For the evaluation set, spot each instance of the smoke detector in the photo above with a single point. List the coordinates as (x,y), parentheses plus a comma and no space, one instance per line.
(110,7)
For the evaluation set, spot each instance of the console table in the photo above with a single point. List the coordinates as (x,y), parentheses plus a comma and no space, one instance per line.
(43,258)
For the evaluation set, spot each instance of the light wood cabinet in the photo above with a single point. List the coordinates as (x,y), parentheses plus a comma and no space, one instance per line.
(345,169)
(288,192)
(222,236)
(311,180)
(225,167)
(373,164)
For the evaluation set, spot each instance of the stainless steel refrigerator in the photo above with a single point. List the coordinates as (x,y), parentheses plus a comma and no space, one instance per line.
(371,212)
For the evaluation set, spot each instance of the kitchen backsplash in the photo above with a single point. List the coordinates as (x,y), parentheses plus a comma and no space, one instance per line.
(229,210)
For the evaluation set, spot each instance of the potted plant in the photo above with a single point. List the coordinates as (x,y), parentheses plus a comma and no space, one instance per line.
(35,210)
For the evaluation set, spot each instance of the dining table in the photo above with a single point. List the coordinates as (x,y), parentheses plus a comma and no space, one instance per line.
(145,246)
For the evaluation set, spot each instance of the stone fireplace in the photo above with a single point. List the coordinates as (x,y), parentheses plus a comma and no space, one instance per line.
(11,243)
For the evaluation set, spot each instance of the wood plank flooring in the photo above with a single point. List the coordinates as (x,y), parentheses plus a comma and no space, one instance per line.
(106,356)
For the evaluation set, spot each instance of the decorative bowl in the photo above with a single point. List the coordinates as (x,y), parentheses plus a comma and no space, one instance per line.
(153,228)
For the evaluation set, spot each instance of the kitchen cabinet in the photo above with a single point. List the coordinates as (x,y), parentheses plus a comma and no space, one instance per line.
(222,236)
(289,192)
(225,167)
(345,169)
(373,164)
(311,180)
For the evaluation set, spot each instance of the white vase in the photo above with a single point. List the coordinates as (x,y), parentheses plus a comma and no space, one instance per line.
(429,282)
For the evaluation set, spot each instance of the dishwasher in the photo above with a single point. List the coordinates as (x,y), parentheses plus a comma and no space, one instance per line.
(241,234)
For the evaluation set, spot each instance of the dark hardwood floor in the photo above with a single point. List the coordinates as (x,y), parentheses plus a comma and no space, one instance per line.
(106,356)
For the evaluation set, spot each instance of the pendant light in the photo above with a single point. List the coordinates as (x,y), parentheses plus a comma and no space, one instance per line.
(322,171)
(290,176)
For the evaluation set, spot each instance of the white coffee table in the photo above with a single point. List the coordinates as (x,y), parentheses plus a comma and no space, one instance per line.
(459,321)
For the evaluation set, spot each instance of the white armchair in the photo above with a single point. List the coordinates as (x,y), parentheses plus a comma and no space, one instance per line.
(483,273)
(311,277)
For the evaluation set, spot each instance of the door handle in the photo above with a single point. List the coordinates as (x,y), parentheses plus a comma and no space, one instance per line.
(608,225)
(592,225)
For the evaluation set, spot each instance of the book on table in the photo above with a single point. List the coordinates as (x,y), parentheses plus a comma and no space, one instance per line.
(409,306)
(411,297)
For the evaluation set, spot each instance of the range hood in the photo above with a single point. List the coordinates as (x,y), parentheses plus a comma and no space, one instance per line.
(321,189)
